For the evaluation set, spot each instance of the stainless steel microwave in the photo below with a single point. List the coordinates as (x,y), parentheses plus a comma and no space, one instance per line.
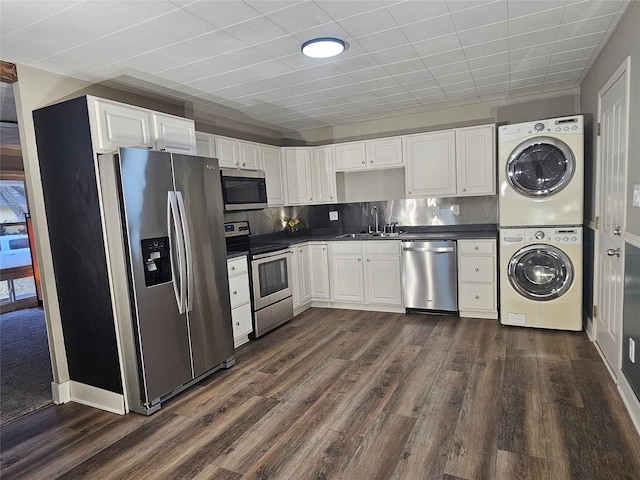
(243,189)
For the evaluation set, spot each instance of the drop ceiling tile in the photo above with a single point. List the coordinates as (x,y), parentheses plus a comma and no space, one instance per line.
(445,58)
(369,74)
(488,33)
(379,83)
(485,49)
(531,39)
(526,82)
(414,79)
(571,55)
(331,29)
(269,6)
(522,8)
(431,28)
(488,61)
(450,69)
(560,85)
(527,74)
(438,105)
(211,12)
(359,62)
(585,10)
(480,73)
(526,90)
(576,64)
(371,21)
(383,40)
(298,16)
(564,75)
(455,87)
(340,9)
(583,41)
(479,15)
(409,12)
(391,90)
(499,87)
(438,45)
(530,51)
(530,63)
(459,5)
(546,19)
(492,79)
(592,25)
(409,66)
(256,30)
(19,14)
(395,54)
(214,43)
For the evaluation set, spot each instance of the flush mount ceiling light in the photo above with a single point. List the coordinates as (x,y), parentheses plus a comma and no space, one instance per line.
(323,47)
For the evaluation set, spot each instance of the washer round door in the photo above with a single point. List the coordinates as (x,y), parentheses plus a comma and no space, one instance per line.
(540,272)
(540,167)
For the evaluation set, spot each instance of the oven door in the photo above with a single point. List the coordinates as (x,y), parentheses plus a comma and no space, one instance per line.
(271,274)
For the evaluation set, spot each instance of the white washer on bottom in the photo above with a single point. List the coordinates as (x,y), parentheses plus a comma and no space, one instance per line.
(541,277)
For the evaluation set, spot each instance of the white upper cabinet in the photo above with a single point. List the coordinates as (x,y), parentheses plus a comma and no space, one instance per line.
(297,162)
(272,166)
(249,155)
(115,124)
(227,152)
(205,145)
(385,152)
(119,125)
(174,134)
(430,169)
(323,175)
(476,163)
(351,156)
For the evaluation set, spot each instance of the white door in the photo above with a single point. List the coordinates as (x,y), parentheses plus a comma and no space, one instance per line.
(324,175)
(383,279)
(319,261)
(272,166)
(613,109)
(431,164)
(298,173)
(347,279)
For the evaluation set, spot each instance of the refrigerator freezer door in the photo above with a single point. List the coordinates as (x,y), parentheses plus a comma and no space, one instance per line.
(162,336)
(197,183)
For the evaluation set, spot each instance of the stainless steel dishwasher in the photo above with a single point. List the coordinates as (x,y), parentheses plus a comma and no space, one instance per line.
(429,275)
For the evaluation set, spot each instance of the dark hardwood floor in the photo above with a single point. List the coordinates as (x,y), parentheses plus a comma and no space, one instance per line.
(339,394)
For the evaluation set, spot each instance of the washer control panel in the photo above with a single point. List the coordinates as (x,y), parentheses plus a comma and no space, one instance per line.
(561,235)
(563,125)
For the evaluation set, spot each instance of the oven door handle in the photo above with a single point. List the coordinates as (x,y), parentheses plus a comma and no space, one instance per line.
(271,254)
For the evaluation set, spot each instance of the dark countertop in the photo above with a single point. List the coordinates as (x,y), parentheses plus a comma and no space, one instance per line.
(231,255)
(440,232)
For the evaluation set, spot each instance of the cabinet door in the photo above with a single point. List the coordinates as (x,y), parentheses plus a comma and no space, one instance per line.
(350,156)
(242,324)
(298,172)
(119,125)
(249,155)
(272,166)
(383,279)
(430,164)
(386,152)
(476,160)
(324,175)
(205,145)
(174,134)
(227,150)
(347,278)
(319,265)
(304,273)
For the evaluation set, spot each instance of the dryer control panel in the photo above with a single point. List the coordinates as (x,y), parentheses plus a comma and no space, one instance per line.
(561,125)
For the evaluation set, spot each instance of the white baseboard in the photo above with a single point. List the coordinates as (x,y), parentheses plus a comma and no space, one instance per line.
(630,400)
(588,327)
(96,397)
(358,306)
(60,392)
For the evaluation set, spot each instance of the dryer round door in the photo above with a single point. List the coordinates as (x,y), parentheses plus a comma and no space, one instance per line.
(540,167)
(540,272)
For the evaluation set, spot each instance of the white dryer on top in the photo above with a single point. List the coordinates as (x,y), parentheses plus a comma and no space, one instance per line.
(541,173)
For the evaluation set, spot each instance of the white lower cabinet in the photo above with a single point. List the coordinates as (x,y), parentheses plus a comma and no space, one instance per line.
(301,271)
(477,278)
(366,272)
(319,266)
(239,293)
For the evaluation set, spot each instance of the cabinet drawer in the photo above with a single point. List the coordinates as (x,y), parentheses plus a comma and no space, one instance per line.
(239,290)
(476,296)
(382,246)
(476,246)
(242,321)
(348,246)
(236,266)
(476,269)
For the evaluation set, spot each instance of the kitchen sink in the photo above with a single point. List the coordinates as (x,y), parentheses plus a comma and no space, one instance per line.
(368,235)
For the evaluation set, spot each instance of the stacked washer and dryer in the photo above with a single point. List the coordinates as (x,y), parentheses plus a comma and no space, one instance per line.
(541,204)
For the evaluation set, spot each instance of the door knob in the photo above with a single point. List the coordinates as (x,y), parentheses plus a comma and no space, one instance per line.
(618,231)
(613,252)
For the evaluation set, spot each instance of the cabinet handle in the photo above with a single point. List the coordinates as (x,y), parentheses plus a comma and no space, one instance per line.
(149,147)
(324,248)
(363,162)
(464,189)
(475,248)
(235,292)
(477,297)
(233,269)
(359,259)
(238,324)
(244,164)
(371,161)
(409,193)
(368,259)
(477,269)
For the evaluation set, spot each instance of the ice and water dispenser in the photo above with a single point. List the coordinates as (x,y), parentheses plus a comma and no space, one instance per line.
(157,264)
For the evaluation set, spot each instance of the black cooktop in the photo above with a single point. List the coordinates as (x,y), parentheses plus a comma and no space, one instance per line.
(238,238)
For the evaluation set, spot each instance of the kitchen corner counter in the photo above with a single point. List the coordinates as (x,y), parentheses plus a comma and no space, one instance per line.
(231,255)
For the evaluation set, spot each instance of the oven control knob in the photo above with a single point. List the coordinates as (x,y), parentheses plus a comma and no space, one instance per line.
(539,127)
(539,235)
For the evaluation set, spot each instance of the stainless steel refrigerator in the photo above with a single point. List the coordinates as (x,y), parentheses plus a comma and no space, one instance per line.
(163,222)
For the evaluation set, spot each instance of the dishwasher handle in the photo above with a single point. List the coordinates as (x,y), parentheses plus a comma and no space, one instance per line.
(433,250)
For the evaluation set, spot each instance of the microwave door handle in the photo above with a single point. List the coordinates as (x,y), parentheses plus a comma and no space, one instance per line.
(188,259)
(173,228)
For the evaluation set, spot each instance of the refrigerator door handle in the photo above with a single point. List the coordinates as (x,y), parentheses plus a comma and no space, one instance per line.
(186,238)
(173,227)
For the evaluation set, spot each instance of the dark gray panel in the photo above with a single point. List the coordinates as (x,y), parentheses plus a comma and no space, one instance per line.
(631,319)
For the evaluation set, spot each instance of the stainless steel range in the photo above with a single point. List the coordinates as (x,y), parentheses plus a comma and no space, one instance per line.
(270,264)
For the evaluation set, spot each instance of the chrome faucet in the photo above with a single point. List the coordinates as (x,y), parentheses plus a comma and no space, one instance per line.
(375,212)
